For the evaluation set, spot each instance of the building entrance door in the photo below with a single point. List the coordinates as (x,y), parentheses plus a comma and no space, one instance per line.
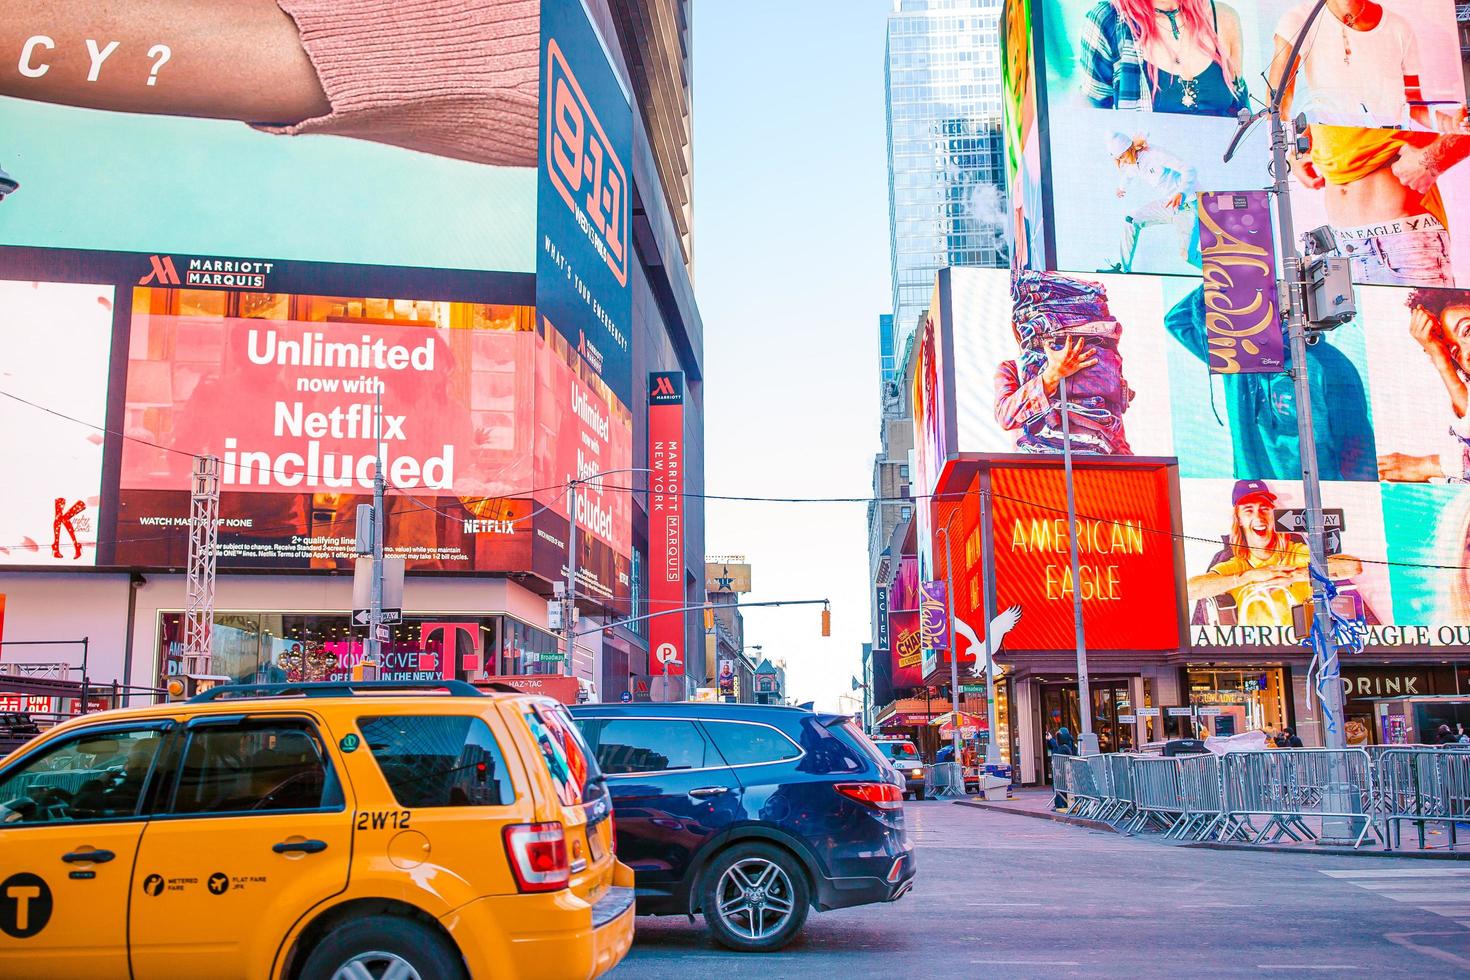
(1110,698)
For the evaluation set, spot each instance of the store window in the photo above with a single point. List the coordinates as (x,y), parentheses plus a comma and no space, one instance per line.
(1247,699)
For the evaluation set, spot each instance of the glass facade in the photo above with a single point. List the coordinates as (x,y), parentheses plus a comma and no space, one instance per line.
(1235,700)
(887,355)
(273,647)
(946,178)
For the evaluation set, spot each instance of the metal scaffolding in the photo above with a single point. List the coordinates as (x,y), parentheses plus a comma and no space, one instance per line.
(199,585)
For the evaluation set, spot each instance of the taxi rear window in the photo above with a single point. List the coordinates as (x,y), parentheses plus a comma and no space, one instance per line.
(571,763)
(438,760)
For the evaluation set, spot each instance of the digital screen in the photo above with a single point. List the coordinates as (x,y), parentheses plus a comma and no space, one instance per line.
(55,350)
(326,140)
(1389,403)
(1141,106)
(477,416)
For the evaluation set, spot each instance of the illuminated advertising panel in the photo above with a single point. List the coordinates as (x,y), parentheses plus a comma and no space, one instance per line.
(903,624)
(55,350)
(302,131)
(1141,105)
(1389,403)
(1125,557)
(470,408)
(666,483)
(584,196)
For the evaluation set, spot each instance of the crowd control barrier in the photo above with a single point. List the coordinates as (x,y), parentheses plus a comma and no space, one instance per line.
(1328,795)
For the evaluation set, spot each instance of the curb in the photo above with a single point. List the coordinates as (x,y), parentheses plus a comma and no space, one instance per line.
(1210,845)
(1042,815)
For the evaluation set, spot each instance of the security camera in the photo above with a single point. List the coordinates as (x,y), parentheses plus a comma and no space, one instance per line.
(8,184)
(1312,339)
(1320,240)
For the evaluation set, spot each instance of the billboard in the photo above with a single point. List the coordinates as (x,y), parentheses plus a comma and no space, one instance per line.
(1389,403)
(1141,105)
(55,351)
(726,576)
(584,196)
(666,596)
(903,625)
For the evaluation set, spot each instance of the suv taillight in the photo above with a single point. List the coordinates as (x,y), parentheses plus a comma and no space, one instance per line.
(538,856)
(879,796)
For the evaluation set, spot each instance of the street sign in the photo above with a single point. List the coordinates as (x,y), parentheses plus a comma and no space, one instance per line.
(362,590)
(625,697)
(1148,712)
(391,617)
(553,614)
(383,634)
(1295,519)
(1127,719)
(1179,712)
(972,688)
(1209,711)
(551,658)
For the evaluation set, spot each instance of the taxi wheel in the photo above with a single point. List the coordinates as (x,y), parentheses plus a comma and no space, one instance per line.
(379,947)
(755,898)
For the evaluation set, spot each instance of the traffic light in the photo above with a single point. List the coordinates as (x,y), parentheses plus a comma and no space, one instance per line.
(182,687)
(826,621)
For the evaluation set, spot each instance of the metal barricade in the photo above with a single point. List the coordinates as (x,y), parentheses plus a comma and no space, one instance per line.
(1199,783)
(1119,805)
(1158,797)
(1288,786)
(1423,786)
(944,780)
(1086,784)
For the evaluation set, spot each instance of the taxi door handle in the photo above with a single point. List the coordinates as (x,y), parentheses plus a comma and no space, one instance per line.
(94,857)
(704,791)
(304,846)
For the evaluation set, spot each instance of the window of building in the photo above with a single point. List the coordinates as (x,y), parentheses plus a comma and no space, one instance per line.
(742,744)
(438,760)
(903,470)
(92,775)
(905,512)
(626,745)
(257,767)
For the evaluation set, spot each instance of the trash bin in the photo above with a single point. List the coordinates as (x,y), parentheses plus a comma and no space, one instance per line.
(995,781)
(1185,746)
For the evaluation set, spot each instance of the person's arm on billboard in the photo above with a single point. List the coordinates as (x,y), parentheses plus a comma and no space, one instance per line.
(1302,166)
(240,60)
(1428,333)
(1098,58)
(1213,583)
(1418,168)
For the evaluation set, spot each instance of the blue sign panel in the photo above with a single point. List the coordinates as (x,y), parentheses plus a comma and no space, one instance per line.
(584,196)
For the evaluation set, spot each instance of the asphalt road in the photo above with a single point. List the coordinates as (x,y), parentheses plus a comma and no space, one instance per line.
(1008,896)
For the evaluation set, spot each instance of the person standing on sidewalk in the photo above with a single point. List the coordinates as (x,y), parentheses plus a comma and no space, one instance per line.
(1060,744)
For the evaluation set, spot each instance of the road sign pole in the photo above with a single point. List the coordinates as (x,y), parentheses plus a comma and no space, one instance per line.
(569,600)
(374,647)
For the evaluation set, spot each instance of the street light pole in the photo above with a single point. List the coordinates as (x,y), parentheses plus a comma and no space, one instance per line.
(992,744)
(954,659)
(1330,690)
(1088,740)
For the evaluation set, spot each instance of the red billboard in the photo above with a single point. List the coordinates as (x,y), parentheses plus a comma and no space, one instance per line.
(666,523)
(1127,558)
(479,419)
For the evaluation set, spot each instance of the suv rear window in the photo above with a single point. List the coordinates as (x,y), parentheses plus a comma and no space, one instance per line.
(438,760)
(746,744)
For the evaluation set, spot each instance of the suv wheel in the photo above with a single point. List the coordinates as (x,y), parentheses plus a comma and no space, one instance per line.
(755,898)
(382,946)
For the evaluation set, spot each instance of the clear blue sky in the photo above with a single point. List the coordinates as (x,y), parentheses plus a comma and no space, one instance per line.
(791,273)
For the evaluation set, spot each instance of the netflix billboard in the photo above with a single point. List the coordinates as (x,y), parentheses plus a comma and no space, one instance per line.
(666,639)
(478,416)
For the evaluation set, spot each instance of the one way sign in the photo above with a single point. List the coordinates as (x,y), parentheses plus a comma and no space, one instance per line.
(391,617)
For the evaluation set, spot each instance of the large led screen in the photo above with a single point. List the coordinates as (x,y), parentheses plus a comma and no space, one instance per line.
(478,417)
(1389,398)
(55,350)
(302,130)
(1141,105)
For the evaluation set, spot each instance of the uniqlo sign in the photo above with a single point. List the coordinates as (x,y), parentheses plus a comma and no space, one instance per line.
(666,523)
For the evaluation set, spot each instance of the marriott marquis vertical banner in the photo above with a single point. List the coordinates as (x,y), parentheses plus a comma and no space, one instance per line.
(666,523)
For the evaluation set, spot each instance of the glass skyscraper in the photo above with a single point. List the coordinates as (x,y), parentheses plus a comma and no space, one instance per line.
(946,176)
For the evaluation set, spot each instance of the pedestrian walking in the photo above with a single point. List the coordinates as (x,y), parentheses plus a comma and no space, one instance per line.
(1060,744)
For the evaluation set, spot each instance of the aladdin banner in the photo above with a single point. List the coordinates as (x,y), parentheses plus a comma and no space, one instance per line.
(1242,322)
(933,624)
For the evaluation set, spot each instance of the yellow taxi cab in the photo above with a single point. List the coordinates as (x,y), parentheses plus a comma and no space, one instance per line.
(425,830)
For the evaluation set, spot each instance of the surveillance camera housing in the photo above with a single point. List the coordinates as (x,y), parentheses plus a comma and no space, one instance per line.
(1313,338)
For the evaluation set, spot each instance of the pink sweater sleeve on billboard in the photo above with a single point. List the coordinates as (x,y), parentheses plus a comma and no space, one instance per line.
(456,78)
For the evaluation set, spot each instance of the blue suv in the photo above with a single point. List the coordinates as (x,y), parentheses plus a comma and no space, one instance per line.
(751,814)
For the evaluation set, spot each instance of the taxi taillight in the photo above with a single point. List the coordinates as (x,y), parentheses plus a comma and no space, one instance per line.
(538,856)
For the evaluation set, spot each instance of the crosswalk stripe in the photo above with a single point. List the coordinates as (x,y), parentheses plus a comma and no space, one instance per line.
(1402,873)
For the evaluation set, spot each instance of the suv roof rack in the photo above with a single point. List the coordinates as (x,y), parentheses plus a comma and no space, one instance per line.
(333,689)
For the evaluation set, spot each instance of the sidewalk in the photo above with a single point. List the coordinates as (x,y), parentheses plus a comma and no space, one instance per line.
(1034,802)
